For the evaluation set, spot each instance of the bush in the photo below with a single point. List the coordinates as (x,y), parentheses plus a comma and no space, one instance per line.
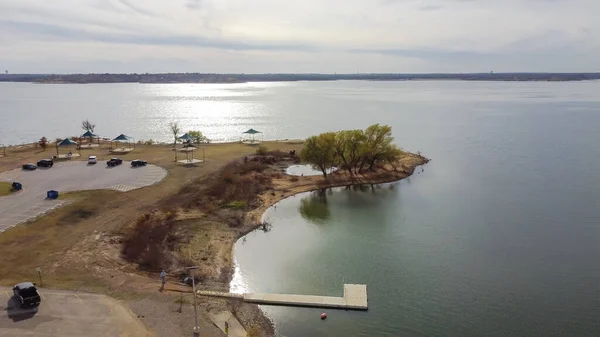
(238,204)
(147,243)
(77,214)
(262,150)
(235,186)
(237,220)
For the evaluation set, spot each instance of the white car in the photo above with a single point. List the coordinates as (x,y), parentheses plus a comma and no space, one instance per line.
(92,160)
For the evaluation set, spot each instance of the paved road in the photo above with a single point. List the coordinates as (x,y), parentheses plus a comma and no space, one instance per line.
(68,314)
(66,177)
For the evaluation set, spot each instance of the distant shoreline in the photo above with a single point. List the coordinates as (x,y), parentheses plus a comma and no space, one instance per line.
(179,78)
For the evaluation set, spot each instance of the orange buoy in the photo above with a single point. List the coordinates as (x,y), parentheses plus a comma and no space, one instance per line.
(323,315)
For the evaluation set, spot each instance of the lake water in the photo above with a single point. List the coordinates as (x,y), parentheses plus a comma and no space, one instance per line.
(498,236)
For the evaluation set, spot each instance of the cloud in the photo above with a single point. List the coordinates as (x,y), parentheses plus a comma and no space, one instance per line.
(194,4)
(430,7)
(137,9)
(312,35)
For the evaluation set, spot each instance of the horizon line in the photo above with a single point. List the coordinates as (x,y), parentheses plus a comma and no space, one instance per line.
(315,73)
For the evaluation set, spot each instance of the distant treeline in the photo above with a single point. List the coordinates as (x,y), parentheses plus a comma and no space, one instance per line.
(240,78)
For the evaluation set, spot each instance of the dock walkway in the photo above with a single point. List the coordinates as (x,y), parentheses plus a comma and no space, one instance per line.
(355,297)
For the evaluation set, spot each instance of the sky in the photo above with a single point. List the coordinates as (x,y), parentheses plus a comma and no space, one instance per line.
(306,36)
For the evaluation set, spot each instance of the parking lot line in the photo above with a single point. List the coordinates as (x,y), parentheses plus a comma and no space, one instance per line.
(7,294)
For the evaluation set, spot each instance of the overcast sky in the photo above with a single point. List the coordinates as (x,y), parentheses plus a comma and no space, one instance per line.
(255,36)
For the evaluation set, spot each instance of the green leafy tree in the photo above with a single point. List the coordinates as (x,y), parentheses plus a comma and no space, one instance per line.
(198,137)
(349,147)
(378,146)
(319,151)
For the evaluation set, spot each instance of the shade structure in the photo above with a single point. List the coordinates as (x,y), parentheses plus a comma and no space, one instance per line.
(186,137)
(67,141)
(252,132)
(88,134)
(124,138)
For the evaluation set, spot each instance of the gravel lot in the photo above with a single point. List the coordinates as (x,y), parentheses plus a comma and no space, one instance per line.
(31,202)
(68,314)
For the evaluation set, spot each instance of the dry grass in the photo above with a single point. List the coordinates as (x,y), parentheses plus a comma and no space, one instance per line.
(5,188)
(78,245)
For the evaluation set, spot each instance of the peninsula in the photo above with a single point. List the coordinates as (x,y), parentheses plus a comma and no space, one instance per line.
(116,242)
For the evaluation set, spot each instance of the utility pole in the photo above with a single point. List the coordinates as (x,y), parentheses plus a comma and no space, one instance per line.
(196,328)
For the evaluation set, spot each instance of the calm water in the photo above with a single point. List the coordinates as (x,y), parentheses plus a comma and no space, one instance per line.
(499,236)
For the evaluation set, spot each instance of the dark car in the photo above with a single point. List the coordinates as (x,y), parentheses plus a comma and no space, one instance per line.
(138,162)
(114,162)
(30,167)
(26,294)
(45,163)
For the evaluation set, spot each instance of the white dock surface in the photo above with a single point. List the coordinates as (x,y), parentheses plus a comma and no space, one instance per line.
(355,297)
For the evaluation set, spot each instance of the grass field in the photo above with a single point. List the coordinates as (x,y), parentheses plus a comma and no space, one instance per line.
(78,246)
(5,188)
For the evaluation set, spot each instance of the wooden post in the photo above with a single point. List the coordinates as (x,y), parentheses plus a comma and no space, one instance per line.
(39,271)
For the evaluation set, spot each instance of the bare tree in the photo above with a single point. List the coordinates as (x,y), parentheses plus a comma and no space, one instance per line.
(174,126)
(43,143)
(88,126)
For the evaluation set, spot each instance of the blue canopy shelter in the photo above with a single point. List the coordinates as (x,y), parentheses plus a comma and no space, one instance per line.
(252,132)
(186,137)
(123,138)
(66,142)
(91,136)
(188,148)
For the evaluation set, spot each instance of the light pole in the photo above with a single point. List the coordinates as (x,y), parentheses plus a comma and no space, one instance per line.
(196,328)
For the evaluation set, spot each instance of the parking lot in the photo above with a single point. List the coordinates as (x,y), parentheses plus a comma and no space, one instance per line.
(63,177)
(67,314)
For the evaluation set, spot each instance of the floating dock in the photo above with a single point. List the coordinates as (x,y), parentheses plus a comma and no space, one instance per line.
(355,298)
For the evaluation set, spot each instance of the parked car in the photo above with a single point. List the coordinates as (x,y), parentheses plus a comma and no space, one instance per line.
(92,160)
(114,162)
(45,163)
(29,166)
(138,162)
(26,294)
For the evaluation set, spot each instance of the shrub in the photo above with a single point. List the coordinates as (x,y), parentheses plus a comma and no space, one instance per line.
(237,220)
(262,150)
(237,204)
(147,242)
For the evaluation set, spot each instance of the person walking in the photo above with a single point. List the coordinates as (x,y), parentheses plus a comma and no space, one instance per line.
(163,278)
